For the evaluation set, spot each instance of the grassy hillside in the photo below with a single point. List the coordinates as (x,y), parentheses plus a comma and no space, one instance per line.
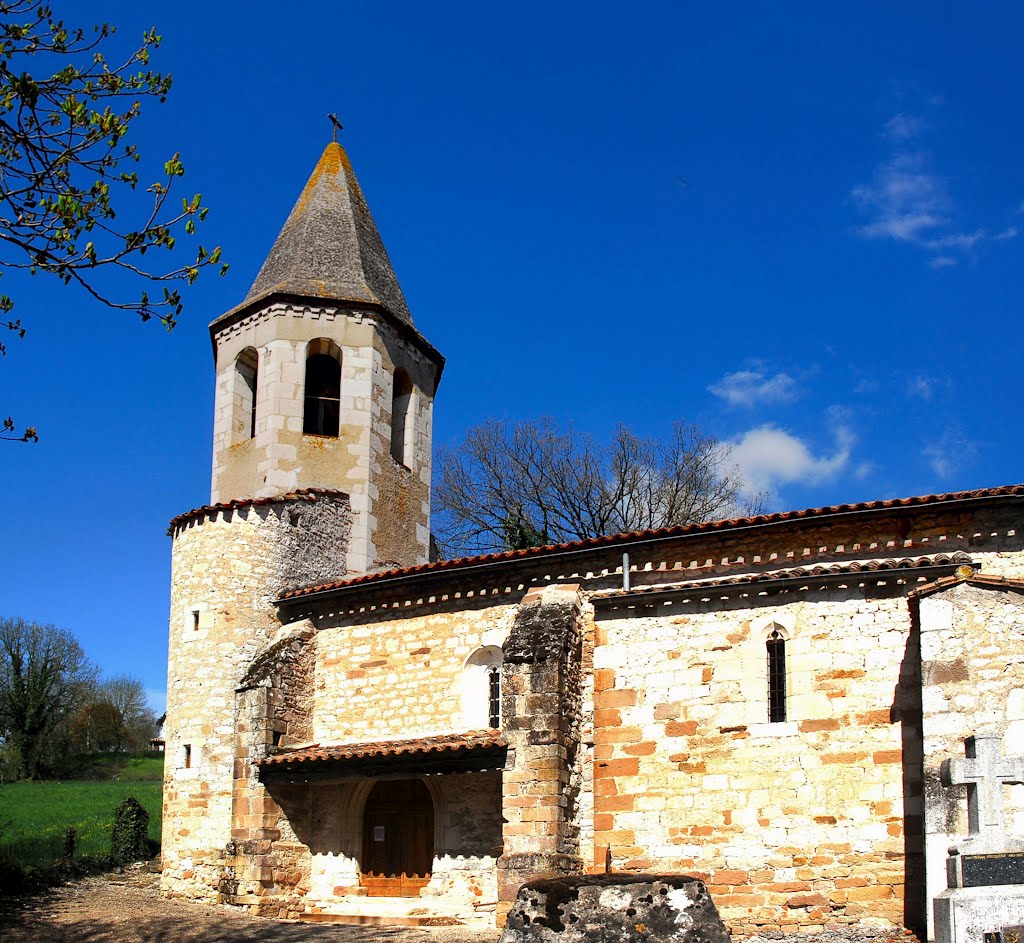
(35,817)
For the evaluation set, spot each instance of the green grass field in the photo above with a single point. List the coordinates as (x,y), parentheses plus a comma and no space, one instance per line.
(34,817)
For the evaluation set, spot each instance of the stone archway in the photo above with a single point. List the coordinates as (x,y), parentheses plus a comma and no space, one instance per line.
(398,839)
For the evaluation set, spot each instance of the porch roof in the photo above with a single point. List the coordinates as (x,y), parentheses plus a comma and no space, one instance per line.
(447,753)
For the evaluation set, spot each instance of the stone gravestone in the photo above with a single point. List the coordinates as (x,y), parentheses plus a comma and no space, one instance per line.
(984,902)
(614,908)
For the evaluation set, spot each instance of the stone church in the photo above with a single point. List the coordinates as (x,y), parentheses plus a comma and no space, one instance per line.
(358,733)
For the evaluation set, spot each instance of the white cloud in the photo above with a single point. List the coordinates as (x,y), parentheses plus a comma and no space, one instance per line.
(950,452)
(768,457)
(908,201)
(921,387)
(754,387)
(964,241)
(903,127)
(905,201)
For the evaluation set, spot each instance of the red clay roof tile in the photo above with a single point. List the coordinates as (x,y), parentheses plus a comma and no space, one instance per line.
(659,534)
(975,579)
(303,494)
(794,573)
(446,744)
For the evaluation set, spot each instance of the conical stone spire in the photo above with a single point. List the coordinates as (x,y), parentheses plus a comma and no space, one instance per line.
(329,247)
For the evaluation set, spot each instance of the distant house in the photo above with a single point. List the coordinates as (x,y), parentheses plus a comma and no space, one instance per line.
(157,742)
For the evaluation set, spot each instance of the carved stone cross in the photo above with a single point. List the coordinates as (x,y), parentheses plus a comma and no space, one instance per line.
(984,771)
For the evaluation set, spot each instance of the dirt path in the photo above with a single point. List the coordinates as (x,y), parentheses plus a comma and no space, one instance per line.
(126,908)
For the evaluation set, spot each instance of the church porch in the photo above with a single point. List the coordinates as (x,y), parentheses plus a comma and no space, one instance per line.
(406,832)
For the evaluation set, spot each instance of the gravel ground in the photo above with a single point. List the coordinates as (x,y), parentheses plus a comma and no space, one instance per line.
(126,908)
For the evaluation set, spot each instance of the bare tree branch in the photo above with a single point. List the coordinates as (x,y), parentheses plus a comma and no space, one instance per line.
(65,111)
(510,485)
(67,175)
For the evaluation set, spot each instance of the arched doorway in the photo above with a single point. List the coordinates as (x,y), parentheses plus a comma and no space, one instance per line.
(398,839)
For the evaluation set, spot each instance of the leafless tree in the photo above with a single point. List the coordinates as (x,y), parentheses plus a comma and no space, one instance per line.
(517,484)
(44,678)
(117,717)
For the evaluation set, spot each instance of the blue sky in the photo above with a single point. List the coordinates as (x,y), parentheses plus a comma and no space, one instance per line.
(799,225)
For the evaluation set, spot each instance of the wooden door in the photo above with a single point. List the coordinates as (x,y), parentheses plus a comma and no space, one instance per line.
(398,839)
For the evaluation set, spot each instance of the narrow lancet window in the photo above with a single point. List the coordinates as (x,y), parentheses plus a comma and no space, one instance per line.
(776,677)
(494,698)
(322,413)
(401,400)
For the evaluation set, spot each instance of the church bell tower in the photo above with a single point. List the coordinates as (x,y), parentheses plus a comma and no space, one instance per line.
(324,381)
(321,472)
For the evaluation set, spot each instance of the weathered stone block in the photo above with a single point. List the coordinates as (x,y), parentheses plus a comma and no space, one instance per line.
(614,907)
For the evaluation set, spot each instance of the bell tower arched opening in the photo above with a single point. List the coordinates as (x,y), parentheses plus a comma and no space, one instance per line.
(401,426)
(322,397)
(243,424)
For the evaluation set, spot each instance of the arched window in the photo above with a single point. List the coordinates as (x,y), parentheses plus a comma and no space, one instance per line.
(244,395)
(776,645)
(322,407)
(401,401)
(481,689)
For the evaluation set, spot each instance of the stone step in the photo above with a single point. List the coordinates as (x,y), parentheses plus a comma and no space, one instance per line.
(380,920)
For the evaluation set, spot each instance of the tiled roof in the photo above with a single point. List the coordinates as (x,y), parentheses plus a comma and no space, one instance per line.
(664,533)
(448,745)
(794,573)
(303,494)
(975,579)
(329,247)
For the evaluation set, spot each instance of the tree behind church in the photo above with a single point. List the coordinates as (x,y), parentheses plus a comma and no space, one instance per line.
(511,485)
(45,677)
(116,718)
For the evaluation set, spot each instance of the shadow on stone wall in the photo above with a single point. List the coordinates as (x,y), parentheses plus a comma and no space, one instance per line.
(907,712)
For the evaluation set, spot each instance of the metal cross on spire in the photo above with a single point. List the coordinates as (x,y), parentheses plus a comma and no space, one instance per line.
(338,126)
(985,771)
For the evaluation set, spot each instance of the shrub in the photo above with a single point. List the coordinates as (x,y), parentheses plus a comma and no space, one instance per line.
(70,843)
(12,878)
(128,840)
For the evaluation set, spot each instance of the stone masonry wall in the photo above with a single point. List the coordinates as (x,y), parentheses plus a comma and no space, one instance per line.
(400,493)
(268,862)
(469,842)
(794,823)
(390,503)
(972,660)
(541,717)
(227,568)
(399,676)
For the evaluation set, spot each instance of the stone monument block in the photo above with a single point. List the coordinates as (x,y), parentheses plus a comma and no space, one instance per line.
(602,908)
